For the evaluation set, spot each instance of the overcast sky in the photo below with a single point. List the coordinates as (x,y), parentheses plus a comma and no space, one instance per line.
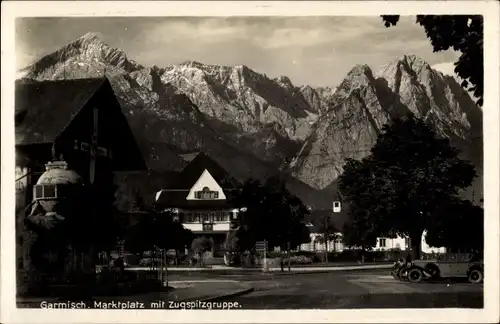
(310,50)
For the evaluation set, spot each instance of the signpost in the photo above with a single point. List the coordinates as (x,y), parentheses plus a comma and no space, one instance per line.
(261,246)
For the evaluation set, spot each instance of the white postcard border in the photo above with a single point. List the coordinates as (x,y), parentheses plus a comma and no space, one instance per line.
(491,109)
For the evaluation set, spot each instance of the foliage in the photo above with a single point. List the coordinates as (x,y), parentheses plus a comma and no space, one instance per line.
(156,230)
(298,259)
(273,214)
(96,224)
(460,226)
(359,231)
(239,240)
(400,187)
(463,33)
(326,229)
(201,245)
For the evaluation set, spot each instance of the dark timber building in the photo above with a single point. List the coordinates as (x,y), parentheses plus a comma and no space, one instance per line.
(79,121)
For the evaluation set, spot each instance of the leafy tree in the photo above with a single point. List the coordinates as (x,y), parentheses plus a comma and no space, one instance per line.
(239,240)
(138,204)
(463,33)
(156,230)
(460,226)
(273,214)
(201,245)
(326,228)
(400,187)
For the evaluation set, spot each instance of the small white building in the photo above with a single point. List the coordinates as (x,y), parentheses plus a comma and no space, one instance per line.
(403,243)
(382,244)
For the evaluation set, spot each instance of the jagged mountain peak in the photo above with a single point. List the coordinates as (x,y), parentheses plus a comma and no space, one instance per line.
(414,61)
(239,112)
(360,70)
(86,56)
(91,37)
(194,64)
(208,67)
(410,63)
(285,81)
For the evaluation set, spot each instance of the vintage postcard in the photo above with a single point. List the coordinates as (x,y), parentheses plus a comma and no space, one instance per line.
(250,162)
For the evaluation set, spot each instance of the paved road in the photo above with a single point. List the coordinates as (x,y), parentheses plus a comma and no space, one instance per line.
(360,289)
(331,290)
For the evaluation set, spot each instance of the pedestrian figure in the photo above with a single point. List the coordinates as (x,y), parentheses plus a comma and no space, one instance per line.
(408,257)
(282,263)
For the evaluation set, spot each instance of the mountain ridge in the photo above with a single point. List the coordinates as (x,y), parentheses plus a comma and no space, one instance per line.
(271,125)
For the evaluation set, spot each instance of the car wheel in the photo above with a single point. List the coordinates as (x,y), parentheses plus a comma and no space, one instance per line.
(476,276)
(432,270)
(415,275)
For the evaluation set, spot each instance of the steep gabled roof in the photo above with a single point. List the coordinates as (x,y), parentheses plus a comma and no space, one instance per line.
(45,108)
(177,199)
(191,172)
(176,192)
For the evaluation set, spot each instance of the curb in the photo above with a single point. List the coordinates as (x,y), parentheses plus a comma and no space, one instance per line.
(234,294)
(273,274)
(333,269)
(275,270)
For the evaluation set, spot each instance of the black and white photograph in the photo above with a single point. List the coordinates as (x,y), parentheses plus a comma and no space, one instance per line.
(248,160)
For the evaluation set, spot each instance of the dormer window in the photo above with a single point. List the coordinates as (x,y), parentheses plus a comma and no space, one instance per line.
(206,193)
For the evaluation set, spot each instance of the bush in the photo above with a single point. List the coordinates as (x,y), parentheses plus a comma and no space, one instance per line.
(299,259)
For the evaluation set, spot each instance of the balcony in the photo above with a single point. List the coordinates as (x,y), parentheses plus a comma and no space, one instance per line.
(207,227)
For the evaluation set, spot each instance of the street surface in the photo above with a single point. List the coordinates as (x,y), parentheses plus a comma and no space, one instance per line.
(325,290)
(349,289)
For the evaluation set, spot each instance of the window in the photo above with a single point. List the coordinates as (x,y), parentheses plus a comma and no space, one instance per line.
(44,191)
(38,191)
(206,217)
(382,242)
(206,193)
(208,227)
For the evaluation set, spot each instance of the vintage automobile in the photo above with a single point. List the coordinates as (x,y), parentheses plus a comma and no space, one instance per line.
(400,269)
(450,265)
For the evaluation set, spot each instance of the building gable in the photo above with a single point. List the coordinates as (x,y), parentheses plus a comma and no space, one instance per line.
(192,171)
(44,108)
(62,112)
(206,188)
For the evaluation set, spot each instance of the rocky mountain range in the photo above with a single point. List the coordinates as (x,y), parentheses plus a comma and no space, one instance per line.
(257,126)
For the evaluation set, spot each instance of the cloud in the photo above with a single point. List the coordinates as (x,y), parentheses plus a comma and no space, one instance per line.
(447,68)
(310,50)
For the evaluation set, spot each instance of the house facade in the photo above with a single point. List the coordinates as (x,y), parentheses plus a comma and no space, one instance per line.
(79,121)
(202,199)
(382,243)
(338,216)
